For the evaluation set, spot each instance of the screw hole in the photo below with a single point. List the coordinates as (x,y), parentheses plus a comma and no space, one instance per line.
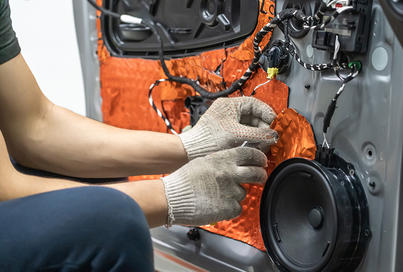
(369,153)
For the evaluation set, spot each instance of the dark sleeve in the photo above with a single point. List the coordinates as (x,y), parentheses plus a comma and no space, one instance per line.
(9,47)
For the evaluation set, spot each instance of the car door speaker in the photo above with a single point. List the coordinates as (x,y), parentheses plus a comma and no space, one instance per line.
(314,217)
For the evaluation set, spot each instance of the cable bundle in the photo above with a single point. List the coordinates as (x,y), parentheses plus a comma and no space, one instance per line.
(317,21)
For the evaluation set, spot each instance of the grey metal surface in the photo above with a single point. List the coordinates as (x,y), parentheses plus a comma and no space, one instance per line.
(212,252)
(85,20)
(366,130)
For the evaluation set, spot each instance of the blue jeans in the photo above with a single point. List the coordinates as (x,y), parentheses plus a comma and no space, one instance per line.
(81,229)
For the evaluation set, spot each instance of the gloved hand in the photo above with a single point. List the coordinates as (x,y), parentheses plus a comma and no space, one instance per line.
(228,123)
(207,189)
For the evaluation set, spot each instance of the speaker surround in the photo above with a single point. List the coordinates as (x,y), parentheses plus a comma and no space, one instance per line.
(315,217)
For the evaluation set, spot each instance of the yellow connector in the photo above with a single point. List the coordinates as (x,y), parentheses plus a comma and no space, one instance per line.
(272,72)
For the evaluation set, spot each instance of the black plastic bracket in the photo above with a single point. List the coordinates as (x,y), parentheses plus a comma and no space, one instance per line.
(194,25)
(325,156)
(352,28)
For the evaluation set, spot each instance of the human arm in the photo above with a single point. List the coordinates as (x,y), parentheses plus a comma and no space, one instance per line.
(37,136)
(203,191)
(14,184)
(42,135)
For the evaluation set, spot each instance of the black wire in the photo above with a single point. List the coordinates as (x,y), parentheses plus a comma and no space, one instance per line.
(333,103)
(184,80)
(236,85)
(103,10)
(193,83)
(286,29)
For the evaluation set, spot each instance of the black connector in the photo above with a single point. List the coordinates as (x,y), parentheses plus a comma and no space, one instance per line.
(325,155)
(275,56)
(193,234)
(197,106)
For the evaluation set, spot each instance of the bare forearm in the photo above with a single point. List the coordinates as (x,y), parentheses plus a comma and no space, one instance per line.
(42,135)
(148,194)
(69,144)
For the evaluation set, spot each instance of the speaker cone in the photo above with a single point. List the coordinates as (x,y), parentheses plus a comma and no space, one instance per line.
(314,218)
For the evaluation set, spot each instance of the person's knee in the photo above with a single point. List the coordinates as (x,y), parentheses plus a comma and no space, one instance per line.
(120,223)
(111,226)
(90,228)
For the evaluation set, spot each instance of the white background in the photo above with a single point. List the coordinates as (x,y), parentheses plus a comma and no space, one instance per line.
(46,33)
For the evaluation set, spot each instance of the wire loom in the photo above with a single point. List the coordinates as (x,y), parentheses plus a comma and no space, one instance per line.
(311,22)
(124,89)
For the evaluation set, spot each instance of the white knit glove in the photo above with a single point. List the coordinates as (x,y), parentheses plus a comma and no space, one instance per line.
(228,123)
(208,190)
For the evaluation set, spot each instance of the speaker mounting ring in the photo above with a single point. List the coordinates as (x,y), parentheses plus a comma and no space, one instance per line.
(314,216)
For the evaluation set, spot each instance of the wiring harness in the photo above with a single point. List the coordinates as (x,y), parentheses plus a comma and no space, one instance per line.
(317,21)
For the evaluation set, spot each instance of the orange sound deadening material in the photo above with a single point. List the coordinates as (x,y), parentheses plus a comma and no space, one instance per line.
(124,90)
